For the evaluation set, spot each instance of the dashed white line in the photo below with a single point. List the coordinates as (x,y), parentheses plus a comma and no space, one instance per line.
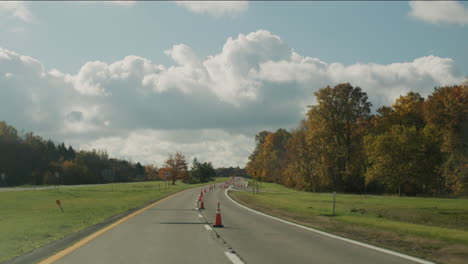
(207,227)
(390,252)
(199,215)
(233,258)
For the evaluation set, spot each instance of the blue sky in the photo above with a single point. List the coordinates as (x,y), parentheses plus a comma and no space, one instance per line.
(67,34)
(142,79)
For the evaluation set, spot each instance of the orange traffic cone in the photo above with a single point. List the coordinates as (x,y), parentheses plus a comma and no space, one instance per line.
(205,190)
(218,218)
(202,205)
(201,194)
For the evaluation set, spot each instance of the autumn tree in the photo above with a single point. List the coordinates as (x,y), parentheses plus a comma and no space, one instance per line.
(151,173)
(301,162)
(415,146)
(272,153)
(163,173)
(408,110)
(334,130)
(176,167)
(447,111)
(255,163)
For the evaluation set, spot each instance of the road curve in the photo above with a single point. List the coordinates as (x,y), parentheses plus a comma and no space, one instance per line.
(173,231)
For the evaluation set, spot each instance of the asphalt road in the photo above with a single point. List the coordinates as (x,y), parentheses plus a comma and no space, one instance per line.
(173,231)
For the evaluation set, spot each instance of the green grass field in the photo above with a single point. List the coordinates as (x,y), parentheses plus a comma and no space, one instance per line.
(427,227)
(30,219)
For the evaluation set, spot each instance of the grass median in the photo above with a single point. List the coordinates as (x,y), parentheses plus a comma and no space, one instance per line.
(431,228)
(30,219)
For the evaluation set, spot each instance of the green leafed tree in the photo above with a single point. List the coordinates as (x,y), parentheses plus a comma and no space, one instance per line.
(201,171)
(403,159)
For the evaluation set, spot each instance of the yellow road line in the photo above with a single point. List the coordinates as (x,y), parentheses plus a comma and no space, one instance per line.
(89,238)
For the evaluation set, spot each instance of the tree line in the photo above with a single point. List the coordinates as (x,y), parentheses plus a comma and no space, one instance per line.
(31,160)
(231,171)
(417,146)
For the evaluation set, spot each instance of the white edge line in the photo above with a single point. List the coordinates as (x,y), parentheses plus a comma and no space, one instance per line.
(207,227)
(233,258)
(418,260)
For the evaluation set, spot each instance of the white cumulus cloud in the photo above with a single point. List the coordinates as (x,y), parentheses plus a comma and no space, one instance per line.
(437,12)
(209,107)
(215,8)
(152,146)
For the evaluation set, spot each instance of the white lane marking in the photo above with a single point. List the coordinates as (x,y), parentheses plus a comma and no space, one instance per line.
(199,215)
(196,208)
(207,227)
(233,258)
(418,260)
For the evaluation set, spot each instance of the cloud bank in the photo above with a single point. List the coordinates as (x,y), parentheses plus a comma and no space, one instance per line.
(209,107)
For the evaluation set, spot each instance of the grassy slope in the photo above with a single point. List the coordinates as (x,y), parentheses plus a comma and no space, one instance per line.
(427,227)
(30,219)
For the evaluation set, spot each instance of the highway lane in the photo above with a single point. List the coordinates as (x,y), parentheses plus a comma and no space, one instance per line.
(258,239)
(172,231)
(169,232)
